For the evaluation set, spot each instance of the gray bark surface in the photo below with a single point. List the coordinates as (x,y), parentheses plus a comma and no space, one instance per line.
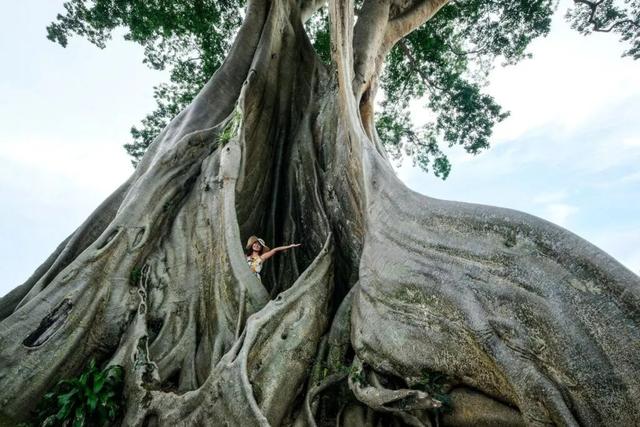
(529,323)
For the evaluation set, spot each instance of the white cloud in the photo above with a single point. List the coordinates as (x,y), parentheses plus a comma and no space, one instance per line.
(64,116)
(548,197)
(568,83)
(559,213)
(632,177)
(555,207)
(631,141)
(107,165)
(623,243)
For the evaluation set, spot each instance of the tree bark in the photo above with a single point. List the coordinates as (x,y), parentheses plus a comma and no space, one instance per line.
(530,324)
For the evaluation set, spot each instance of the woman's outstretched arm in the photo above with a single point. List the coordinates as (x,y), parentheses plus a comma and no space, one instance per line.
(273,251)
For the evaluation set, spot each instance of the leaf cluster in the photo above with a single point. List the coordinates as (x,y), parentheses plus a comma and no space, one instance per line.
(231,127)
(94,398)
(621,17)
(317,28)
(446,62)
(357,375)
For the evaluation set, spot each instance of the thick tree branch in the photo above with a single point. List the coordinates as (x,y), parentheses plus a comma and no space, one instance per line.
(341,20)
(309,7)
(368,36)
(410,18)
(595,25)
(375,34)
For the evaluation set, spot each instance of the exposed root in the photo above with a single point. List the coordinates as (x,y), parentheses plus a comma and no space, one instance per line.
(444,293)
(470,407)
(532,324)
(400,402)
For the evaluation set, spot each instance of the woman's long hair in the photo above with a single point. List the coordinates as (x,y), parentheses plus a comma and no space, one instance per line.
(250,250)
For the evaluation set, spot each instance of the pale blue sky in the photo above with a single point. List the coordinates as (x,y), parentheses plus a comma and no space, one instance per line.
(570,152)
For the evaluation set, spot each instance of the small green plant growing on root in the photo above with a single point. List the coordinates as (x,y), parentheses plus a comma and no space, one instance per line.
(94,398)
(357,375)
(231,128)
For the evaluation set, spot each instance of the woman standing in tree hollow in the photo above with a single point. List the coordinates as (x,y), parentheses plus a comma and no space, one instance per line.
(258,252)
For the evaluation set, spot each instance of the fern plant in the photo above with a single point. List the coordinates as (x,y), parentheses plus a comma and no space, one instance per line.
(92,399)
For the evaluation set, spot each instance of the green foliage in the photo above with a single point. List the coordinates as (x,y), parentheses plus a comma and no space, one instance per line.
(327,368)
(621,17)
(357,375)
(318,29)
(92,399)
(232,127)
(445,62)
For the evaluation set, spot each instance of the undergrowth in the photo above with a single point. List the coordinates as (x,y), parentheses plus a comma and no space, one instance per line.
(94,398)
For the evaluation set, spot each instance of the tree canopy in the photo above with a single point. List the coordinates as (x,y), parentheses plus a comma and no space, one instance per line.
(445,62)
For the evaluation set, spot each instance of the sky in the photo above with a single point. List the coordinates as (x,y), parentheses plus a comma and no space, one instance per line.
(569,153)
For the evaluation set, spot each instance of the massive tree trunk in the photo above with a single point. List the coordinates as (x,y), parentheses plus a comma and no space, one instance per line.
(528,323)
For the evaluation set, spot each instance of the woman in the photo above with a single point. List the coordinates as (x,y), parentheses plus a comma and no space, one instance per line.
(258,252)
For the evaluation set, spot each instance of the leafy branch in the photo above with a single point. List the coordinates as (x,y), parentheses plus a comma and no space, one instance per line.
(606,16)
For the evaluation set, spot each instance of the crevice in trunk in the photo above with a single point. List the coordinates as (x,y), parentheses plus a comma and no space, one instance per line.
(49,325)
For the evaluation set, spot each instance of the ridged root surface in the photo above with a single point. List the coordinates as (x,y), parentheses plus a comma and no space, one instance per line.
(523,322)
